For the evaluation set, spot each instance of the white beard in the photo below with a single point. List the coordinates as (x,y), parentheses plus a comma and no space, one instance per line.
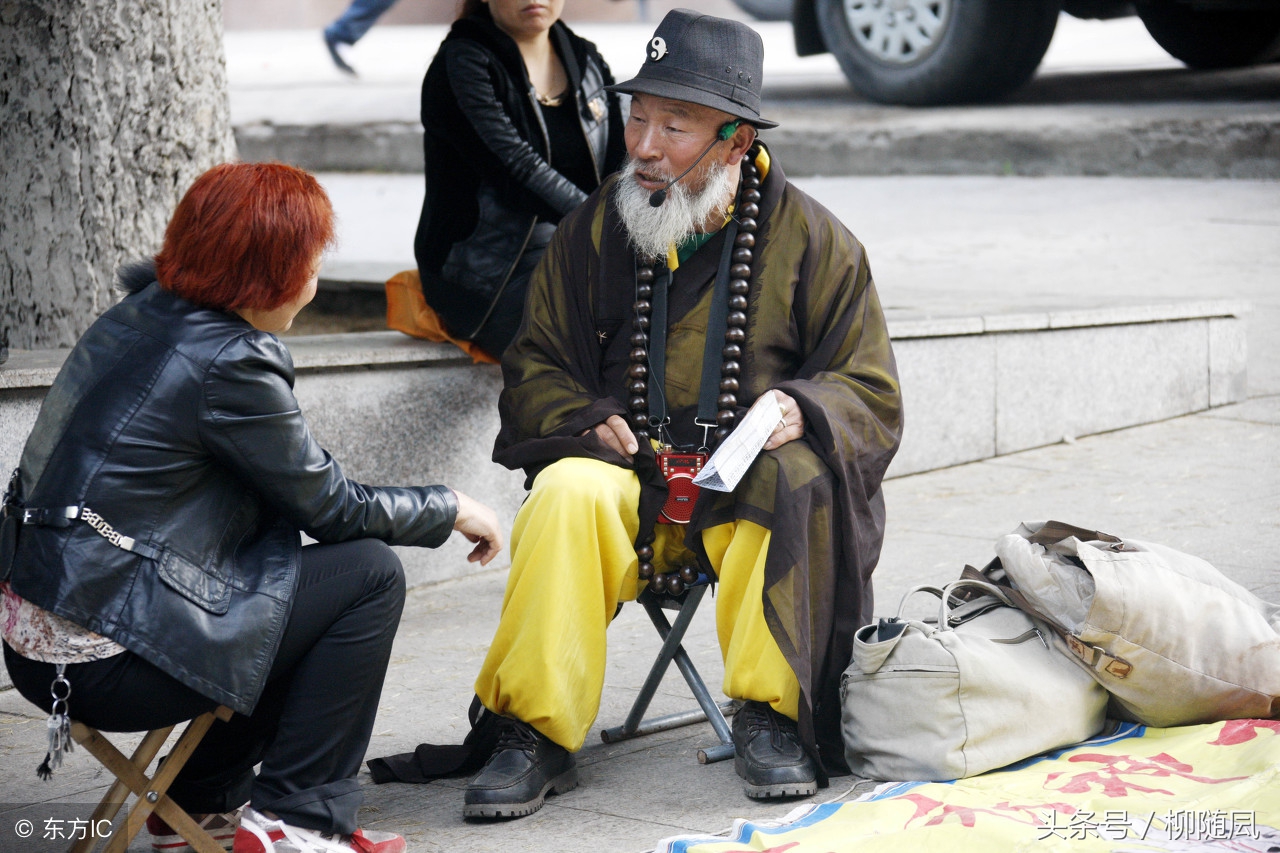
(652,229)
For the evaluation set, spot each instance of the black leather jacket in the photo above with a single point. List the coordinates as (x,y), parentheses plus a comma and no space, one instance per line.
(176,427)
(491,194)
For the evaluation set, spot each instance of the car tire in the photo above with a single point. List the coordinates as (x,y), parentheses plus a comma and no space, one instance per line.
(1213,38)
(766,10)
(979,50)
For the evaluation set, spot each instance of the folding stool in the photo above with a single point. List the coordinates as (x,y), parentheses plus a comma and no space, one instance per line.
(130,774)
(685,604)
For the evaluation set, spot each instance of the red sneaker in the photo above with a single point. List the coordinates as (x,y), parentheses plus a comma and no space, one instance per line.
(260,834)
(221,828)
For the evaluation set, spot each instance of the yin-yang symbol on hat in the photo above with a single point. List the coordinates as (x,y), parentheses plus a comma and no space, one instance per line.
(657,48)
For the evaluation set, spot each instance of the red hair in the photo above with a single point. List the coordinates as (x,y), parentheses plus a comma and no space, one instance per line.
(246,235)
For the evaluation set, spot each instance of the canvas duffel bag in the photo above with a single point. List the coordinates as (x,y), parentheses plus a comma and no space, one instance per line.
(1171,638)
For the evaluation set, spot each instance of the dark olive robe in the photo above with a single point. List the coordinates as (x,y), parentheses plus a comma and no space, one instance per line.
(815,331)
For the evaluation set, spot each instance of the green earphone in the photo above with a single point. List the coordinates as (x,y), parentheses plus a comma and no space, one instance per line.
(729,128)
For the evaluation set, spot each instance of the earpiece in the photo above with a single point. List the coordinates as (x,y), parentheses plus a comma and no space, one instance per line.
(729,128)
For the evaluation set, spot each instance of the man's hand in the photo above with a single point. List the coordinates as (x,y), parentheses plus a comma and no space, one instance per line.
(791,425)
(617,434)
(480,525)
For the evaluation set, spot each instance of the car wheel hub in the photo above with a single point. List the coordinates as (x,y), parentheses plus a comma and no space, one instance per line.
(898,32)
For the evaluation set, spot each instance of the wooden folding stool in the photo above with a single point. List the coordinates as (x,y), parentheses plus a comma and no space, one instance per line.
(130,775)
(685,604)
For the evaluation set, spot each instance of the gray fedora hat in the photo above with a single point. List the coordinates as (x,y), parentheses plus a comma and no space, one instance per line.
(703,60)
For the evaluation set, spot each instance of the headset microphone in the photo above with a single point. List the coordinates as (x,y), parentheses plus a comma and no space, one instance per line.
(657,197)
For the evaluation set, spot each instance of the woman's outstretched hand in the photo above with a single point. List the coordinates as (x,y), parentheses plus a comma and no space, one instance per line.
(480,525)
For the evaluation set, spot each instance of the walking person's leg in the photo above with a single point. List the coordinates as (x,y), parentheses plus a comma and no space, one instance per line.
(357,20)
(351,26)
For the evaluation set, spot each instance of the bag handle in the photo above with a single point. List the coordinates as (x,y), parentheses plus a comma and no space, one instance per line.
(945,594)
(1012,595)
(948,592)
(1052,532)
(924,587)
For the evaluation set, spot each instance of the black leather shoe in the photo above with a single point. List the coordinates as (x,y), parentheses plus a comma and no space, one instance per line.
(524,768)
(768,754)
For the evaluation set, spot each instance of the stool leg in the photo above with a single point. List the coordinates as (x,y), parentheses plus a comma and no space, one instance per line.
(672,650)
(125,770)
(153,793)
(179,820)
(715,716)
(131,777)
(672,636)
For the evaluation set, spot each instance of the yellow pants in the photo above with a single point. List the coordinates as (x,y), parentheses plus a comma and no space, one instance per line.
(572,562)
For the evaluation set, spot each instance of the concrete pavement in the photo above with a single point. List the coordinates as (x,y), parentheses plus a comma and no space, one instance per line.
(1204,483)
(955,246)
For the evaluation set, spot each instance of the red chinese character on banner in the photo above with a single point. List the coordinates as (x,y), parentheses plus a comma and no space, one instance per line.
(1240,731)
(938,812)
(1111,779)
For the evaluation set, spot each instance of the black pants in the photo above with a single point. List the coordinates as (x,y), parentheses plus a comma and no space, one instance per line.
(312,724)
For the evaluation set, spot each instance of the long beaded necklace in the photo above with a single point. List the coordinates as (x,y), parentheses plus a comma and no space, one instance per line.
(735,335)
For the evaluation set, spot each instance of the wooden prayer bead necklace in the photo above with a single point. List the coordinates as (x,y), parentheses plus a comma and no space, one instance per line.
(674,583)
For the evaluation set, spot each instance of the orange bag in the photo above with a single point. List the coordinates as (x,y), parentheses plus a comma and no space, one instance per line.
(408,312)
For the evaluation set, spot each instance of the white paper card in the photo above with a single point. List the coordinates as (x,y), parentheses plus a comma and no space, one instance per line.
(736,453)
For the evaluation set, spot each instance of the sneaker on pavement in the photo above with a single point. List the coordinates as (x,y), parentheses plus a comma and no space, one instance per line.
(221,828)
(338,52)
(768,754)
(261,834)
(525,766)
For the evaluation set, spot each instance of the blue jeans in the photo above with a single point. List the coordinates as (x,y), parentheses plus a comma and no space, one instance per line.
(357,20)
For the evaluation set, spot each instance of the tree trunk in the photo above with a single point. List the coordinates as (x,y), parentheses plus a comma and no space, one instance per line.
(110,109)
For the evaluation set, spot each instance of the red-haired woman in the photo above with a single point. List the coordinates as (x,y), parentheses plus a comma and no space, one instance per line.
(159,567)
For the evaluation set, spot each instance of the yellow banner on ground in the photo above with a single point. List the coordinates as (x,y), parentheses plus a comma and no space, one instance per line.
(1193,788)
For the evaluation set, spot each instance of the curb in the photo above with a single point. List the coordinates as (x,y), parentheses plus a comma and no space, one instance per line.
(1112,143)
(1238,147)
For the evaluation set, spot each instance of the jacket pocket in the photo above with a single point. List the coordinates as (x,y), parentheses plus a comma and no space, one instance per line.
(206,589)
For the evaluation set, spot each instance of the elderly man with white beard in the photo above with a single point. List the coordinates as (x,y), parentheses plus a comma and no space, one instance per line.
(690,284)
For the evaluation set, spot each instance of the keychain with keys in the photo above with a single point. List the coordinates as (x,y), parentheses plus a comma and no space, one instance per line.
(58,724)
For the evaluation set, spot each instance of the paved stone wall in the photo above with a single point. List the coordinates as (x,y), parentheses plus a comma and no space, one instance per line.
(410,425)
(973,396)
